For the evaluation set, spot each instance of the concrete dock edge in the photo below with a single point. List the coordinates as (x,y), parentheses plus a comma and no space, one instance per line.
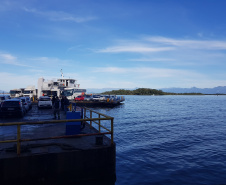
(69,167)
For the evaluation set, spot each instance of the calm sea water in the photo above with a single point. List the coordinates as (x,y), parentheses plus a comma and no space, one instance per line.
(170,140)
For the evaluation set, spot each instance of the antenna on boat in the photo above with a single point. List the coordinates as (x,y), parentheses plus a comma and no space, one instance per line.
(62,75)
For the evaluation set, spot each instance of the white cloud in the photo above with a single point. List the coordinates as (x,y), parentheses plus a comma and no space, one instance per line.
(6,58)
(60,16)
(151,59)
(190,44)
(150,45)
(147,72)
(134,49)
(110,70)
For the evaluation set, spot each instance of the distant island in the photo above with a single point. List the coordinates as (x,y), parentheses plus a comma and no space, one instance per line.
(220,90)
(145,91)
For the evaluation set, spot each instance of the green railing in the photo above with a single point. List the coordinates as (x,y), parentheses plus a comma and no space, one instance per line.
(86,118)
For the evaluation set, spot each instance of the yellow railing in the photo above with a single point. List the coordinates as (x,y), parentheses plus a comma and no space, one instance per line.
(97,121)
(86,119)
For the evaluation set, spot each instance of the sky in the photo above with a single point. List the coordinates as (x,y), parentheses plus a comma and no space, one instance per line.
(113,43)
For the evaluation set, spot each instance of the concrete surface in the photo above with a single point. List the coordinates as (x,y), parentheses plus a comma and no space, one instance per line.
(55,161)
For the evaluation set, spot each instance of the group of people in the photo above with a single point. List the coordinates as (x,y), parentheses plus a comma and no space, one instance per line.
(59,105)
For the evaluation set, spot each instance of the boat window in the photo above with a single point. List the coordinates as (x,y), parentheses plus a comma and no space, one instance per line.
(68,92)
(28,92)
(15,92)
(80,90)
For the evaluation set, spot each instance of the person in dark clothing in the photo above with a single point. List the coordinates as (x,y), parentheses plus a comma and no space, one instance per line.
(66,103)
(53,99)
(62,102)
(56,108)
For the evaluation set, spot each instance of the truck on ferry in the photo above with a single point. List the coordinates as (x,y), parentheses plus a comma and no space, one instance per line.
(16,93)
(30,91)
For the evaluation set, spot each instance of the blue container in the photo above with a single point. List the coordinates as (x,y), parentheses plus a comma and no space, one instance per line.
(73,128)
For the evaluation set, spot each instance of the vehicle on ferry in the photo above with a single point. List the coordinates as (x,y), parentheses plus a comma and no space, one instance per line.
(25,103)
(13,107)
(16,92)
(79,98)
(4,97)
(30,91)
(96,97)
(29,102)
(88,97)
(72,93)
(44,102)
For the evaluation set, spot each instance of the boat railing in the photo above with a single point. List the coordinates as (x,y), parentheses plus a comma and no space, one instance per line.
(92,118)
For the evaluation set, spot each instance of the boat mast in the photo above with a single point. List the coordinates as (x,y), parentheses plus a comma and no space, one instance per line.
(62,75)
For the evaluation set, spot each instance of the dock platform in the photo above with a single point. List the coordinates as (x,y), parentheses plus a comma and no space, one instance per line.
(68,160)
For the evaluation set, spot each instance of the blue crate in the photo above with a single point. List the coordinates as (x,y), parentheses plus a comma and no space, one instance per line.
(73,128)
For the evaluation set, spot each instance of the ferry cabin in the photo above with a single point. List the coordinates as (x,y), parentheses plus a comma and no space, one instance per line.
(48,88)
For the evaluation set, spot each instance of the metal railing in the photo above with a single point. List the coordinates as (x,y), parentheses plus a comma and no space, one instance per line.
(86,119)
(97,121)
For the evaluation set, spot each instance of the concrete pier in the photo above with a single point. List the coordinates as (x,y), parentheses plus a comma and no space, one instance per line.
(80,160)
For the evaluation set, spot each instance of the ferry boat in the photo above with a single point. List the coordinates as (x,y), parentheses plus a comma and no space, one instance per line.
(62,86)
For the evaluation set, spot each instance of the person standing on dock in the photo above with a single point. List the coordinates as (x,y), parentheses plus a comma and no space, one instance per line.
(62,103)
(66,104)
(53,100)
(56,107)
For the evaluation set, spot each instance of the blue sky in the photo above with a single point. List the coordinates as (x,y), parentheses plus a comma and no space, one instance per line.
(114,44)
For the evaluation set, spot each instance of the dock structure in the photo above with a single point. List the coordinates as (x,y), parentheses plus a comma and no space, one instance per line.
(40,151)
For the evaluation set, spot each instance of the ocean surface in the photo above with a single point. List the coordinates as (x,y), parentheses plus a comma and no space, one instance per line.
(166,140)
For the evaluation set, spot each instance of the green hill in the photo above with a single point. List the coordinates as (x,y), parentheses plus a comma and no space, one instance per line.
(145,91)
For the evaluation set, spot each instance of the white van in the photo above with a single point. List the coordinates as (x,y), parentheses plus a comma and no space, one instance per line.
(44,102)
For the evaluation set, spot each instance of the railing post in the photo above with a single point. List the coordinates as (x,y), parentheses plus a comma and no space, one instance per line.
(99,124)
(84,112)
(112,130)
(18,139)
(91,117)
